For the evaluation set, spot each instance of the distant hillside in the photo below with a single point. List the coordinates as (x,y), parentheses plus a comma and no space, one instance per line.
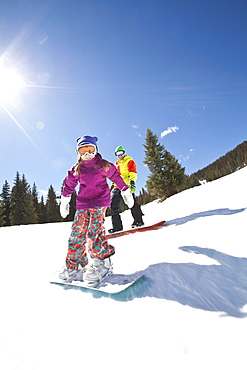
(229,163)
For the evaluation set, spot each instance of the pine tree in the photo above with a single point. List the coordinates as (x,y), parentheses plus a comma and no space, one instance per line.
(174,175)
(35,199)
(144,197)
(190,182)
(154,156)
(52,207)
(16,206)
(22,208)
(167,176)
(2,217)
(42,211)
(6,200)
(31,215)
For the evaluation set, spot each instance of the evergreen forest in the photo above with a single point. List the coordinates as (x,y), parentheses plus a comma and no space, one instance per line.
(229,163)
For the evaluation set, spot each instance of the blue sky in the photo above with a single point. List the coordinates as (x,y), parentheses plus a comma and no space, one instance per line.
(112,68)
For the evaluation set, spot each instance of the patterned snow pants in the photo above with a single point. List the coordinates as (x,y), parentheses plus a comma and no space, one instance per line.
(88,235)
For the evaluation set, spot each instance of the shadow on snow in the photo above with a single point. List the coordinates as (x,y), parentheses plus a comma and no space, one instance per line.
(219,288)
(214,212)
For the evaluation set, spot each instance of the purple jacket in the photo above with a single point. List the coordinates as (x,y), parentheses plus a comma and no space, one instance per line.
(94,190)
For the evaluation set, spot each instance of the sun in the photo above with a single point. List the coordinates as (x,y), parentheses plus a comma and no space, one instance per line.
(11,84)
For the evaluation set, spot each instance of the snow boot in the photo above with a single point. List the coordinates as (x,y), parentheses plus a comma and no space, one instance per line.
(114,230)
(97,270)
(69,275)
(137,224)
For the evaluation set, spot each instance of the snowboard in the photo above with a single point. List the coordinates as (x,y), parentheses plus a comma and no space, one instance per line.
(111,284)
(117,234)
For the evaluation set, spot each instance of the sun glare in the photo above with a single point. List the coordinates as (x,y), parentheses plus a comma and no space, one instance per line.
(10,85)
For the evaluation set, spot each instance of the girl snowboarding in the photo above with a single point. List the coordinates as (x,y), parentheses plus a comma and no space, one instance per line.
(88,234)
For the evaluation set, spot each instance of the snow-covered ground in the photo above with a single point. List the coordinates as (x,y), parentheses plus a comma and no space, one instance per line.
(189,312)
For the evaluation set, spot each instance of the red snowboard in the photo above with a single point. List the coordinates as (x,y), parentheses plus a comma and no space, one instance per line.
(156,226)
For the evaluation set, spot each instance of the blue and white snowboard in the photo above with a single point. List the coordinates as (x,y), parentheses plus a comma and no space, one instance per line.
(111,284)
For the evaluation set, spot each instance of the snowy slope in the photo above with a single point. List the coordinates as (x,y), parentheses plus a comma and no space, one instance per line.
(189,312)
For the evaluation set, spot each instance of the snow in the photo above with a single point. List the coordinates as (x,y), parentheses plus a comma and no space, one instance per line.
(189,312)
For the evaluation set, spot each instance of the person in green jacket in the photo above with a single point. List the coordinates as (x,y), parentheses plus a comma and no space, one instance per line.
(126,166)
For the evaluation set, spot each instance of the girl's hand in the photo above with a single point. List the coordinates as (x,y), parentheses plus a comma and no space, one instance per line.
(64,206)
(127,198)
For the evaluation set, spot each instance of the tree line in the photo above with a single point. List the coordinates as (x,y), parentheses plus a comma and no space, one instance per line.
(229,163)
(21,204)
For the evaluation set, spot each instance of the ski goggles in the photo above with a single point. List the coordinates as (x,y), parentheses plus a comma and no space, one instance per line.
(88,155)
(119,152)
(87,151)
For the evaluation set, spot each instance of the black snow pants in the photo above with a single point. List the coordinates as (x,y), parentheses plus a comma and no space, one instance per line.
(116,199)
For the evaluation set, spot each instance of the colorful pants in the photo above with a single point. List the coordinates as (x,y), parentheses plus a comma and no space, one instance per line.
(88,234)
